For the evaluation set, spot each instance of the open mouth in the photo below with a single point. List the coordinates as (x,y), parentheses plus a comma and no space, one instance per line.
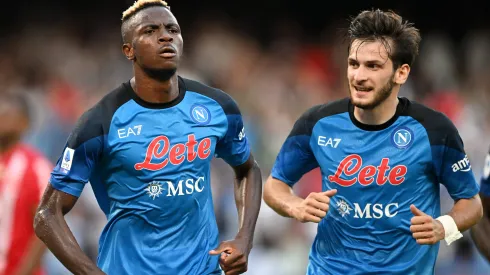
(363,89)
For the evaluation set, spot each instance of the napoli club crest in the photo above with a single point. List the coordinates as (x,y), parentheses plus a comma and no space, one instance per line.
(402,137)
(200,114)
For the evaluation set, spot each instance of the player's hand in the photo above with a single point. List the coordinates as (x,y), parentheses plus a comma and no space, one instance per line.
(234,255)
(424,228)
(314,207)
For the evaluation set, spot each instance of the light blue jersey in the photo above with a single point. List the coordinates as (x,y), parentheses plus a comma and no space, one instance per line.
(379,171)
(149,167)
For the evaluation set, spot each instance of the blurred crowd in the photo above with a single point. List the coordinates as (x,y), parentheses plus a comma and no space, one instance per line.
(64,73)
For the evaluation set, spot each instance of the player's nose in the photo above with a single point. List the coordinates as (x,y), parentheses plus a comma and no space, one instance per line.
(165,37)
(360,75)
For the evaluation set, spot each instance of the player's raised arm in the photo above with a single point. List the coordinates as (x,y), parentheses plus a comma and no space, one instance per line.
(480,231)
(293,161)
(453,170)
(72,172)
(235,150)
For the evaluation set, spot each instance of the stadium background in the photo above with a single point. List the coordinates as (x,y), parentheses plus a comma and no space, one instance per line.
(276,58)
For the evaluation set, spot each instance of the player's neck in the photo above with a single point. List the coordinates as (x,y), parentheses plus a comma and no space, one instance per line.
(380,114)
(155,91)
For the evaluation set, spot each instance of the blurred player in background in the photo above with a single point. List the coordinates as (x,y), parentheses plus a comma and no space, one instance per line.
(382,158)
(23,177)
(481,232)
(146,149)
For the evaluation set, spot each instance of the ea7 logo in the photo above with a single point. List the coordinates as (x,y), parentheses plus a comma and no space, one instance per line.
(130,131)
(332,142)
(462,165)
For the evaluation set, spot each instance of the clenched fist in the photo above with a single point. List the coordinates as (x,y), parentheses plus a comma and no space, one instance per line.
(233,255)
(314,207)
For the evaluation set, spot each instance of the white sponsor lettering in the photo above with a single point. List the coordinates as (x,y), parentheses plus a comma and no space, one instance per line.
(130,131)
(462,165)
(375,211)
(191,186)
(332,142)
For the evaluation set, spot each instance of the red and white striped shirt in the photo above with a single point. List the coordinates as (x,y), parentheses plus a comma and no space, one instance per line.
(24,174)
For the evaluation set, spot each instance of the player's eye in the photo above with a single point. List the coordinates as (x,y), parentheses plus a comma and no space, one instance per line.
(149,31)
(353,64)
(174,30)
(373,66)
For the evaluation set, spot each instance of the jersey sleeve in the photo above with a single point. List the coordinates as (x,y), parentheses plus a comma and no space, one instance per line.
(452,165)
(233,147)
(485,180)
(296,157)
(82,151)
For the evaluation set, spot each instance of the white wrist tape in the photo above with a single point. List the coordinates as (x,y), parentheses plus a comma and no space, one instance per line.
(450,228)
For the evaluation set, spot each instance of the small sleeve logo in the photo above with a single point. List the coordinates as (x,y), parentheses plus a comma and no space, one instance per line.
(67,159)
(241,135)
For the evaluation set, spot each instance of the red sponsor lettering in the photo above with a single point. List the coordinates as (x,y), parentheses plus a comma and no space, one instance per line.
(351,165)
(176,154)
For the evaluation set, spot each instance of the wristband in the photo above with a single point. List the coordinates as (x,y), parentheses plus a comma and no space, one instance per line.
(451,230)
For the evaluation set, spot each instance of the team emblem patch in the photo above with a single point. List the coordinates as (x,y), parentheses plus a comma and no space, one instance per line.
(402,137)
(200,114)
(154,189)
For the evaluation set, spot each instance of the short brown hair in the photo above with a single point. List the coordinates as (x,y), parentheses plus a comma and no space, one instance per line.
(400,38)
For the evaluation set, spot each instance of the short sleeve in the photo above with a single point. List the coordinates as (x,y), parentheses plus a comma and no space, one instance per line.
(233,147)
(485,180)
(296,157)
(81,153)
(452,165)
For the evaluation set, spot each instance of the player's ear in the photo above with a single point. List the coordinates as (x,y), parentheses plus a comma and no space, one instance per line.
(401,74)
(128,51)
